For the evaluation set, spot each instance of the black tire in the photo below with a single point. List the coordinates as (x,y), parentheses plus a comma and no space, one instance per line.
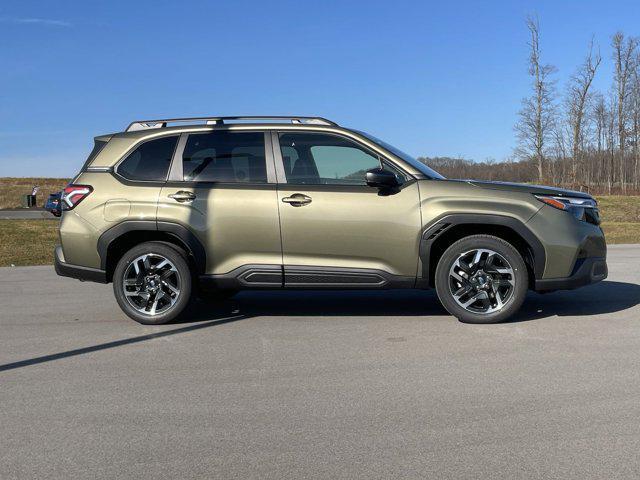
(183,273)
(518,291)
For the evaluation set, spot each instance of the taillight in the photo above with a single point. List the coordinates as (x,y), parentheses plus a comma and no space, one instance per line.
(72,195)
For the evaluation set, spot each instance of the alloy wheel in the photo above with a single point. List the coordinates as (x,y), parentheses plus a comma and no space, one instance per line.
(151,284)
(481,281)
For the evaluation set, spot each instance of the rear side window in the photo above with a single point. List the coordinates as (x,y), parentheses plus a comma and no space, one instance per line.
(150,161)
(230,157)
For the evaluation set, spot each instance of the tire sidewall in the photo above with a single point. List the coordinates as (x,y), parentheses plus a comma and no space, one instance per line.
(493,243)
(186,279)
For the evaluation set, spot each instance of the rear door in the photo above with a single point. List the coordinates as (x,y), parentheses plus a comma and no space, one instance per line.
(222,188)
(336,230)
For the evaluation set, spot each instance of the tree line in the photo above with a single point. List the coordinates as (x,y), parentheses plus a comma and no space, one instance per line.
(575,136)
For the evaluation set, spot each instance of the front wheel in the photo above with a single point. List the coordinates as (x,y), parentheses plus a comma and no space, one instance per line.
(152,283)
(481,279)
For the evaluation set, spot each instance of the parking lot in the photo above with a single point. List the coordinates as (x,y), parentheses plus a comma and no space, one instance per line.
(319,385)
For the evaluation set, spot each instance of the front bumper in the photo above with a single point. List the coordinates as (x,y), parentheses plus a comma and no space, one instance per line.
(76,271)
(586,271)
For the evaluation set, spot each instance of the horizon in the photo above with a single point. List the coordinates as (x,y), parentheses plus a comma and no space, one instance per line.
(434,80)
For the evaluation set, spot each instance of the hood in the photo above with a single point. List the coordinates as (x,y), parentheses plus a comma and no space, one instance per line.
(526,188)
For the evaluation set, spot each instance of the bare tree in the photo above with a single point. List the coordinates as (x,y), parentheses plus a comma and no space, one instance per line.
(535,124)
(592,143)
(624,56)
(577,98)
(601,115)
(635,123)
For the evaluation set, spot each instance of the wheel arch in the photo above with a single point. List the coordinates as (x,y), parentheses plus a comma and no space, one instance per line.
(444,231)
(118,239)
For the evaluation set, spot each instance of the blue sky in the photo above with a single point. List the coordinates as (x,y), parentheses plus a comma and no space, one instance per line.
(431,77)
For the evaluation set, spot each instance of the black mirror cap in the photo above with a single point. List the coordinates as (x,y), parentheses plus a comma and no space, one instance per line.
(381,178)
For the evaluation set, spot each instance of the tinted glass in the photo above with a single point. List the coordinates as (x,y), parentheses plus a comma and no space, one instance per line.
(429,172)
(150,161)
(316,158)
(225,157)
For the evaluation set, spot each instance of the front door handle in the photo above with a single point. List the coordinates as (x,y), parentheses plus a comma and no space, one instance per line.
(297,200)
(183,196)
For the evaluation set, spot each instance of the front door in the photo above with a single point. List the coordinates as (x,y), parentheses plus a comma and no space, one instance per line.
(222,188)
(336,230)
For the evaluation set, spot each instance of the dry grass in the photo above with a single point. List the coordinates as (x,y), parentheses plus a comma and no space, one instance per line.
(620,218)
(621,232)
(11,189)
(27,242)
(619,208)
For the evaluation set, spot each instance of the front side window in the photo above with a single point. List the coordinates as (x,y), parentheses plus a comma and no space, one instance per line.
(321,159)
(150,161)
(230,157)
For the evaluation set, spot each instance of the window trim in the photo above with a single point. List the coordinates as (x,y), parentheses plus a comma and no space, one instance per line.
(138,145)
(176,172)
(281,174)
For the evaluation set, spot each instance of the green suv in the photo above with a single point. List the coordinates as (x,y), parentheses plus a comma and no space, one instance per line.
(177,208)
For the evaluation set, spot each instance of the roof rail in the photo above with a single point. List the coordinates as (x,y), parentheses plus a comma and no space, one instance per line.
(162,123)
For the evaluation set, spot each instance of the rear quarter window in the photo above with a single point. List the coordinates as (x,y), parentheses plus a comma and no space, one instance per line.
(150,161)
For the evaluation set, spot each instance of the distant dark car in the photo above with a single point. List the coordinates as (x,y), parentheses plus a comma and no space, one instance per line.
(53,204)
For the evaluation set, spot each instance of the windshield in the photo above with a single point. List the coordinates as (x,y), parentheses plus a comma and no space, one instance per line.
(429,172)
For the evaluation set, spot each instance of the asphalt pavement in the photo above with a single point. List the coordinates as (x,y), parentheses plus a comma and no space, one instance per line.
(319,385)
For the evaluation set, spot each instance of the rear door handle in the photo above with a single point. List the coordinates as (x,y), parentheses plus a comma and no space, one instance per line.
(183,196)
(297,200)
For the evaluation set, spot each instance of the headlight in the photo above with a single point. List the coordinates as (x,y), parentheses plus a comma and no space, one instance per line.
(585,209)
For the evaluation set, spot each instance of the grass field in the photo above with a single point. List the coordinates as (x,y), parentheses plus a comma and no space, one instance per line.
(620,218)
(27,242)
(11,189)
(31,242)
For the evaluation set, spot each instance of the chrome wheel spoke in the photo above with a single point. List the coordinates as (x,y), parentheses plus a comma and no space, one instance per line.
(473,299)
(171,287)
(162,264)
(476,258)
(463,290)
(165,275)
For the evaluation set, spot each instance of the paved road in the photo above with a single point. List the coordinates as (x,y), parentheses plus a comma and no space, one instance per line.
(319,385)
(25,214)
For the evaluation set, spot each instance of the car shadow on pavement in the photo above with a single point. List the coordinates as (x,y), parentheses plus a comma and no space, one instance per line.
(602,298)
(317,303)
(212,321)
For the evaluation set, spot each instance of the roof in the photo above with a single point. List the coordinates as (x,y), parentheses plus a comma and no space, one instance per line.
(217,120)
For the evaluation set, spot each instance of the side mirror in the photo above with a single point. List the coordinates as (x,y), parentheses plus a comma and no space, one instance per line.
(381,178)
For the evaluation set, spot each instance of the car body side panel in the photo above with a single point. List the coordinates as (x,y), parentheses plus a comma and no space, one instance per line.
(563,237)
(237,224)
(111,202)
(352,227)
(443,197)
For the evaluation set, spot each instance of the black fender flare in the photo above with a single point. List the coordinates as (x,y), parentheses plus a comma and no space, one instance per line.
(182,233)
(442,224)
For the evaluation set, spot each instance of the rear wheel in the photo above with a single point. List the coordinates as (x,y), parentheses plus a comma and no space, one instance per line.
(152,283)
(481,279)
